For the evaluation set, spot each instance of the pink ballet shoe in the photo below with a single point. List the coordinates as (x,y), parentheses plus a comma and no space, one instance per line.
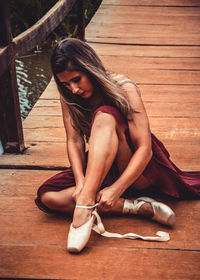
(162,213)
(78,237)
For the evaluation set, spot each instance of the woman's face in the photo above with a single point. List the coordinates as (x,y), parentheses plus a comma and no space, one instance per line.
(77,82)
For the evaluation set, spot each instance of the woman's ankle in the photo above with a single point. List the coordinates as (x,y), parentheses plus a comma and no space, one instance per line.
(85,200)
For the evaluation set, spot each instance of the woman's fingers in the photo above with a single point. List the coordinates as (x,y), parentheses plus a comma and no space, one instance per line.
(98,198)
(104,201)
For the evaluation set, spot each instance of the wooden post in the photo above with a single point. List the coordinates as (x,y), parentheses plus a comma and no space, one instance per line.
(81,19)
(11,133)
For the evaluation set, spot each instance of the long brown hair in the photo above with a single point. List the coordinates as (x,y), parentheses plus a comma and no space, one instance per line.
(75,55)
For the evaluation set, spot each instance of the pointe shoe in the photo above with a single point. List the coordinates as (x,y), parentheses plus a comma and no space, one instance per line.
(78,237)
(162,213)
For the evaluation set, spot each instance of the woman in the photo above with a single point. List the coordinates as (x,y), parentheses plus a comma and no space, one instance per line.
(124,158)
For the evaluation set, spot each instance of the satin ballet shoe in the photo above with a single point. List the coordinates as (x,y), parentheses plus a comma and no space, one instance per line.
(162,213)
(78,237)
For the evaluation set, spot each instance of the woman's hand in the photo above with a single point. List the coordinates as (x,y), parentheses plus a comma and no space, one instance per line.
(107,198)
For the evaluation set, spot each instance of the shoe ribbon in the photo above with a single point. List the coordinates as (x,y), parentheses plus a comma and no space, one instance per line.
(99,228)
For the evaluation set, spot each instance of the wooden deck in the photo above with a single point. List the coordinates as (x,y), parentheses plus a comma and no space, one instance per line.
(157,44)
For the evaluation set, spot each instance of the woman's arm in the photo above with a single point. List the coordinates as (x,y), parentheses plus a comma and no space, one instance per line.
(141,139)
(75,149)
(140,135)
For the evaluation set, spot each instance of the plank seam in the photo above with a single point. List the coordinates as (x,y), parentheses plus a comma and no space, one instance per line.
(93,246)
(42,167)
(32,167)
(152,6)
(138,44)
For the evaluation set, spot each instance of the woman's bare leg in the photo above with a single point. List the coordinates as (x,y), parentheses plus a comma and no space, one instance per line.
(105,146)
(63,202)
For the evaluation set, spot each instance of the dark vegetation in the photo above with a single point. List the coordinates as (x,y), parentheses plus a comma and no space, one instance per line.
(25,13)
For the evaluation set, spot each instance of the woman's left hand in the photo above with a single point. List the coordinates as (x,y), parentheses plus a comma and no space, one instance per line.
(106,199)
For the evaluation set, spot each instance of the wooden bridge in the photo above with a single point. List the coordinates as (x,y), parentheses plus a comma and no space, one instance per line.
(157,44)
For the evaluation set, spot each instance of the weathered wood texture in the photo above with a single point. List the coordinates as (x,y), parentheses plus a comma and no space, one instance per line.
(33,244)
(151,25)
(11,134)
(173,3)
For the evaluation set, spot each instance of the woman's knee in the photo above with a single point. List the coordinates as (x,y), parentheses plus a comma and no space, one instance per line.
(104,121)
(49,199)
(60,199)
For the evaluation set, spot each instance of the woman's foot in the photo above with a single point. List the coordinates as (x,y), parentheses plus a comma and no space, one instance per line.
(79,236)
(83,214)
(150,208)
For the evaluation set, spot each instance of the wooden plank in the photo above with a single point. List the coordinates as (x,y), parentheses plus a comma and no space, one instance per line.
(167,31)
(51,103)
(38,228)
(161,93)
(170,30)
(153,2)
(146,51)
(57,134)
(171,109)
(54,262)
(143,36)
(21,210)
(43,121)
(182,127)
(161,117)
(150,10)
(11,133)
(38,154)
(168,9)
(51,91)
(157,77)
(54,155)
(185,155)
(160,63)
(168,19)
(46,110)
(20,185)
(170,93)
(31,239)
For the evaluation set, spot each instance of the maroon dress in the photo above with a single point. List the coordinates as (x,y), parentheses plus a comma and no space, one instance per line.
(164,177)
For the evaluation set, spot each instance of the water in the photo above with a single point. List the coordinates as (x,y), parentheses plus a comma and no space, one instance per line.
(33,75)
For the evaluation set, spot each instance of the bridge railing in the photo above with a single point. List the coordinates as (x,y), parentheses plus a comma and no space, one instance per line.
(11,131)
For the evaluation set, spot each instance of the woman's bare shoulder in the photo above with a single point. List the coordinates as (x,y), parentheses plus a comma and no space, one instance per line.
(121,79)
